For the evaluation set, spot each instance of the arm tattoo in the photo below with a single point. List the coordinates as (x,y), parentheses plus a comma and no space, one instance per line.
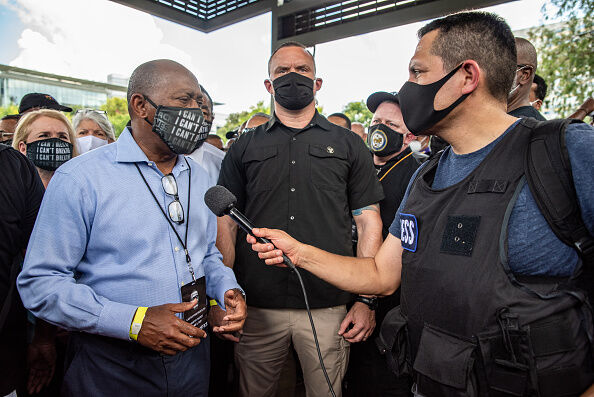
(373,207)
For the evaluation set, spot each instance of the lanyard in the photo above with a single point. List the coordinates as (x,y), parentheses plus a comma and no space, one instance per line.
(184,243)
(392,167)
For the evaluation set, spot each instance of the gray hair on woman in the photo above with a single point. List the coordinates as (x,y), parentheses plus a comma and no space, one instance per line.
(99,118)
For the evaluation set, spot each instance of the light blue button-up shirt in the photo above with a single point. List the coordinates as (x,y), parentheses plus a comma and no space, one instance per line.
(101,247)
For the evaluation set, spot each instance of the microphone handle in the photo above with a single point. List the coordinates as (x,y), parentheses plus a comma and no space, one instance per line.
(246,225)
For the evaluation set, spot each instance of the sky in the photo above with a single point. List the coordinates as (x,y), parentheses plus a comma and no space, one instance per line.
(93,38)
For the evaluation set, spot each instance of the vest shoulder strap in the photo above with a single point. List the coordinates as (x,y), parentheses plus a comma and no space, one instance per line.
(549,176)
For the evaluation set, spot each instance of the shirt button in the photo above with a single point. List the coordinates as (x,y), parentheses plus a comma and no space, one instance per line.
(150,164)
(294,138)
(292,218)
(293,162)
(176,249)
(292,189)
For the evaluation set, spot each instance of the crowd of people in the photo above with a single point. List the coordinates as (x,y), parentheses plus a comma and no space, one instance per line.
(446,248)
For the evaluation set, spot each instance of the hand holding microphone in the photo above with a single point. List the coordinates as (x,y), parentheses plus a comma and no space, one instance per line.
(264,241)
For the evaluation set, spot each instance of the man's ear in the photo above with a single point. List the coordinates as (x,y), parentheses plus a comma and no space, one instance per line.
(472,76)
(537,104)
(269,87)
(318,84)
(525,75)
(139,106)
(408,138)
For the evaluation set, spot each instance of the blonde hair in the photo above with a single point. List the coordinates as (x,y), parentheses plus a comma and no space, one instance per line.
(23,128)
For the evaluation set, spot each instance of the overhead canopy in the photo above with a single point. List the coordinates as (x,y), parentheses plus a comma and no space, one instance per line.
(307,21)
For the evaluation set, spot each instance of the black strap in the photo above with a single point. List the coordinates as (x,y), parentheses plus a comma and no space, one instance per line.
(549,176)
(184,242)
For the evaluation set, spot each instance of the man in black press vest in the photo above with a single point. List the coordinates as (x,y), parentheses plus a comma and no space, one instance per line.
(388,140)
(489,304)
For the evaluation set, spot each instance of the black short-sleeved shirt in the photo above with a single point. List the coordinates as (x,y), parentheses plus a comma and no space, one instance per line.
(527,111)
(305,182)
(394,177)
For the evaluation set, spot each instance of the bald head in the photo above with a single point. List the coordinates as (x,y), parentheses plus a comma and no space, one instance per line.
(257,120)
(152,76)
(526,53)
(359,129)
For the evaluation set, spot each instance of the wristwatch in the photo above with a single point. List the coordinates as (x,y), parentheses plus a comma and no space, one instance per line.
(371,302)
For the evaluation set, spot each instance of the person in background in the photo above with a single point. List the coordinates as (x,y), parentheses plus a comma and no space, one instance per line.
(128,253)
(208,155)
(421,148)
(389,141)
(46,137)
(340,119)
(538,92)
(92,129)
(303,172)
(256,120)
(359,129)
(215,141)
(21,192)
(518,99)
(7,127)
(35,101)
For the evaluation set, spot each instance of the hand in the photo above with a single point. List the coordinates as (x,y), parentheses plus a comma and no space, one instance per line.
(283,243)
(41,360)
(164,332)
(228,324)
(363,320)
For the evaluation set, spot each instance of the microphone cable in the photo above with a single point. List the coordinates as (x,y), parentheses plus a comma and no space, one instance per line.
(292,266)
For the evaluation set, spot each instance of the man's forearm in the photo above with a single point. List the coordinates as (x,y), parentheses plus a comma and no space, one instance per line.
(226,237)
(356,275)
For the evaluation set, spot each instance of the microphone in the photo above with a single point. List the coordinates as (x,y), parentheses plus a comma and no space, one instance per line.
(222,202)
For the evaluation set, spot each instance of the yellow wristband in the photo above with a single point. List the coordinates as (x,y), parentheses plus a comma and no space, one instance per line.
(137,322)
(213,302)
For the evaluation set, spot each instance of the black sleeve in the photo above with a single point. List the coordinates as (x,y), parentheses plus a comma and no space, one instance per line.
(363,186)
(34,190)
(232,175)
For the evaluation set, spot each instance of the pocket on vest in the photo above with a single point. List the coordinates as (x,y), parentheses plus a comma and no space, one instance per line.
(392,342)
(444,364)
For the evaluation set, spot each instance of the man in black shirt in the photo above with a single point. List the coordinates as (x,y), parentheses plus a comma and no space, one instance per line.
(21,192)
(388,140)
(301,173)
(518,100)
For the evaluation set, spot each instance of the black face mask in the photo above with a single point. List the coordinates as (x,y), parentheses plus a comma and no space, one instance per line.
(206,127)
(180,128)
(416,103)
(293,91)
(49,154)
(384,141)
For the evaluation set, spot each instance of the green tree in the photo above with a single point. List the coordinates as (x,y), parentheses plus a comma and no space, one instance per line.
(234,120)
(117,113)
(358,112)
(566,53)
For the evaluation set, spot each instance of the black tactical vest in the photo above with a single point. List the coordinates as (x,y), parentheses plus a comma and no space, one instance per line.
(468,326)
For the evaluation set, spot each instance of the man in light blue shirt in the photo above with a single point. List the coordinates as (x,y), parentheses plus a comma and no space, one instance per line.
(103,253)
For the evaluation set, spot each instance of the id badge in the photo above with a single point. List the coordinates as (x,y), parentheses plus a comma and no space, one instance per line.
(197,316)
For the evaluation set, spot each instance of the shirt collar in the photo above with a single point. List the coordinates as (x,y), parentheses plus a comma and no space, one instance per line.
(128,151)
(317,120)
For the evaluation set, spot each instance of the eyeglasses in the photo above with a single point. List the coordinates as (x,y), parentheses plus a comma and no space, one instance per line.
(176,211)
(6,135)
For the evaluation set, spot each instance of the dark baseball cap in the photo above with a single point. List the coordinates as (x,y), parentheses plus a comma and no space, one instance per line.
(42,101)
(377,98)
(232,134)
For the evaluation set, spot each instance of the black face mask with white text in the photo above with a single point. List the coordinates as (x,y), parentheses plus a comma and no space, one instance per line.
(180,128)
(49,154)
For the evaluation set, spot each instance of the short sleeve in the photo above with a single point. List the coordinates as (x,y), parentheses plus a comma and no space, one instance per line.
(363,186)
(232,175)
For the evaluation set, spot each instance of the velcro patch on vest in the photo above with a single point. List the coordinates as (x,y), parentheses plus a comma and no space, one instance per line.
(459,234)
(409,232)
(487,186)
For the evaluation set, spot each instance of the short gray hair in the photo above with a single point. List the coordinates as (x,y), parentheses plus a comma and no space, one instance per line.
(101,120)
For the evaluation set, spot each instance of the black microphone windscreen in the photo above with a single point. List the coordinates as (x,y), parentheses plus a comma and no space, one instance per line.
(219,200)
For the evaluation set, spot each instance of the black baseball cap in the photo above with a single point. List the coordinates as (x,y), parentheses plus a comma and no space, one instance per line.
(42,101)
(232,134)
(377,98)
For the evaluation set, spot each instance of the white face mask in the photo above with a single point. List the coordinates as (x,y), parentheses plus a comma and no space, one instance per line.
(415,146)
(89,142)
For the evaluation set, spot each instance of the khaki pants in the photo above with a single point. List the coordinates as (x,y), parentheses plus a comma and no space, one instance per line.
(264,346)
